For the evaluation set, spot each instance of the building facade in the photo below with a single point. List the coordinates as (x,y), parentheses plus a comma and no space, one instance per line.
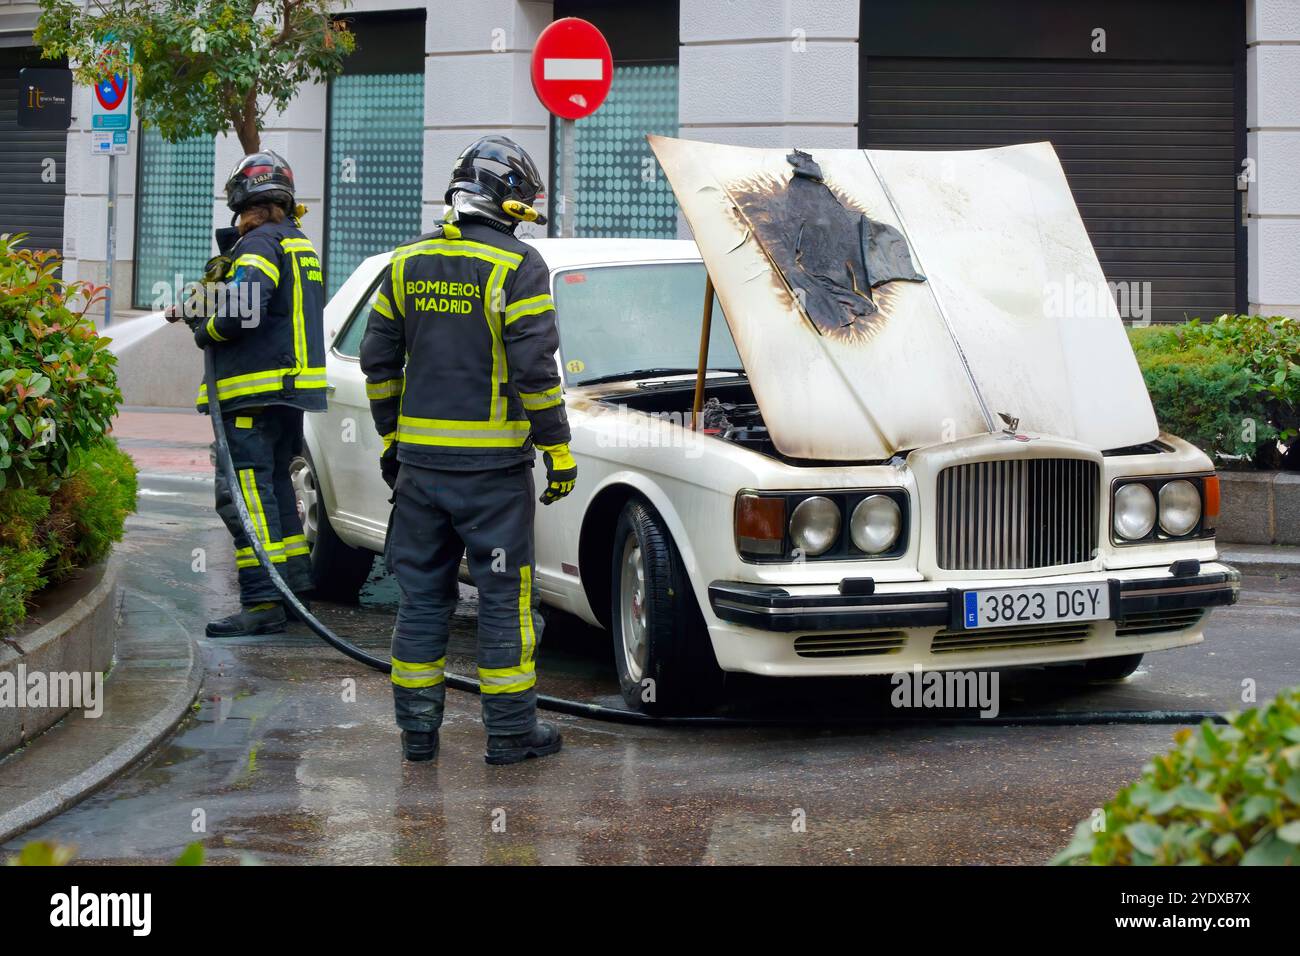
(1178,123)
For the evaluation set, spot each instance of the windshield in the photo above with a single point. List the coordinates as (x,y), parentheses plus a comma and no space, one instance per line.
(616,319)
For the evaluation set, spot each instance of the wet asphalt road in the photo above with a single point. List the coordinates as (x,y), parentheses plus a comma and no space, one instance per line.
(291,755)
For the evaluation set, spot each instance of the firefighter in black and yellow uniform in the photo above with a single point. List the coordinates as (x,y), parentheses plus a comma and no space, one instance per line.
(459,356)
(267,340)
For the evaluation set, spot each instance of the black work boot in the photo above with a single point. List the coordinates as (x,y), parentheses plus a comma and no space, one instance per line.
(418,745)
(541,741)
(265,618)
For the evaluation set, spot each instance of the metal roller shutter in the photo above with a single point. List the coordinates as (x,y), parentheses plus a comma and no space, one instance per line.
(1148,149)
(28,203)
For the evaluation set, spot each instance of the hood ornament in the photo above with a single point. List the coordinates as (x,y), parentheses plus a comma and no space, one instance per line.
(1012,431)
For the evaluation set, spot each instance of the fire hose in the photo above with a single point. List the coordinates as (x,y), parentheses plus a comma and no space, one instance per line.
(601,712)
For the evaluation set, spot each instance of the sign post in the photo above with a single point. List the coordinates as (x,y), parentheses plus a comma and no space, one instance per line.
(110,124)
(572,70)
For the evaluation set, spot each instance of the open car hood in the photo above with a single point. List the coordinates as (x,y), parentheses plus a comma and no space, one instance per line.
(886,300)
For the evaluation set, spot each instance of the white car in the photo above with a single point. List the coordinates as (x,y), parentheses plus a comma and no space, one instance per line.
(962,479)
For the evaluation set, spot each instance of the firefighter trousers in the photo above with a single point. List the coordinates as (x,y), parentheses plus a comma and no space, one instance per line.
(438,516)
(263,443)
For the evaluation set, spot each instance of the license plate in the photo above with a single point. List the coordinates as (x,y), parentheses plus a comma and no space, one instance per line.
(1009,607)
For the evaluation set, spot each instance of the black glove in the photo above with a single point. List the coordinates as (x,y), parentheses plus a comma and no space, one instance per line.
(389,466)
(561,472)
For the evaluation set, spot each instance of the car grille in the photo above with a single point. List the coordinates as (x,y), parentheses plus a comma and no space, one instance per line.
(1017,514)
(1158,622)
(864,644)
(1002,638)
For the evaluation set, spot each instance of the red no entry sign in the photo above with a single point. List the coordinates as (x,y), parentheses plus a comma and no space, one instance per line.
(572,68)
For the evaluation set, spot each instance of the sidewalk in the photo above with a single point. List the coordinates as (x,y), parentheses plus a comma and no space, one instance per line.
(165,440)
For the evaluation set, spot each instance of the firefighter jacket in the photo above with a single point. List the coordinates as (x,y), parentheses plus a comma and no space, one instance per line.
(267,328)
(459,351)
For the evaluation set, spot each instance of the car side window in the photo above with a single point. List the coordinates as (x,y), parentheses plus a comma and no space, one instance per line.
(349,343)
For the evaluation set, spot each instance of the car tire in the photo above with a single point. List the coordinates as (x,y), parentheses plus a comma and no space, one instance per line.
(338,570)
(662,648)
(1111,668)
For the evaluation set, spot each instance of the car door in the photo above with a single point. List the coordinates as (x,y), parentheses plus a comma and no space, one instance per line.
(356,495)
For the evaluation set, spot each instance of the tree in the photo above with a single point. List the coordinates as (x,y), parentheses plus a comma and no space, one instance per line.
(201,67)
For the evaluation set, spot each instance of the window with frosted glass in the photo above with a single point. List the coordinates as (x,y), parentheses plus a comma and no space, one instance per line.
(621,190)
(173,235)
(375,161)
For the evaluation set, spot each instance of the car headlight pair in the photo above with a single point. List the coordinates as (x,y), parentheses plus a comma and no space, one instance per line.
(1164,508)
(843,525)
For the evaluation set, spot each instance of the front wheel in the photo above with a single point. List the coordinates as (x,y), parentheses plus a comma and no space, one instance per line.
(338,570)
(662,648)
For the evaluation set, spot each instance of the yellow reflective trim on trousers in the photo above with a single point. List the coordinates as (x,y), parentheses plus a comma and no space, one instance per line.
(527,637)
(296,544)
(269,268)
(248,485)
(378,391)
(382,305)
(211,328)
(407,674)
(536,401)
(506,680)
(461,434)
(492,294)
(460,247)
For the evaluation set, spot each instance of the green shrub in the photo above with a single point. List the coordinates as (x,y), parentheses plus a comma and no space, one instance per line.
(58,381)
(53,526)
(1225,795)
(1200,391)
(95,499)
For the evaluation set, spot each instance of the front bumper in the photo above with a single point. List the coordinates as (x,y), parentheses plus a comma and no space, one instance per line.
(772,608)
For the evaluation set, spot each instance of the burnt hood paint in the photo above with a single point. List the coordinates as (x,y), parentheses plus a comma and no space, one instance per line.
(980,257)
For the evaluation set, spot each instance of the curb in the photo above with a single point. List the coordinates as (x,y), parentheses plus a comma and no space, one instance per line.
(1262,559)
(42,767)
(71,630)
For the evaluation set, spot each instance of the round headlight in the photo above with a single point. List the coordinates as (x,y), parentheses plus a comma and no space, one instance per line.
(875,524)
(1135,511)
(1180,507)
(815,525)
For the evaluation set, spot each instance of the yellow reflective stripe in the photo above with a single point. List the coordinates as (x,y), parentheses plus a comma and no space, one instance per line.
(507,680)
(398,271)
(299,245)
(382,305)
(271,270)
(299,320)
(408,674)
(463,434)
(492,294)
(388,440)
(527,638)
(241,421)
(459,247)
(296,544)
(378,391)
(211,328)
(533,306)
(248,487)
(266,381)
(536,401)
